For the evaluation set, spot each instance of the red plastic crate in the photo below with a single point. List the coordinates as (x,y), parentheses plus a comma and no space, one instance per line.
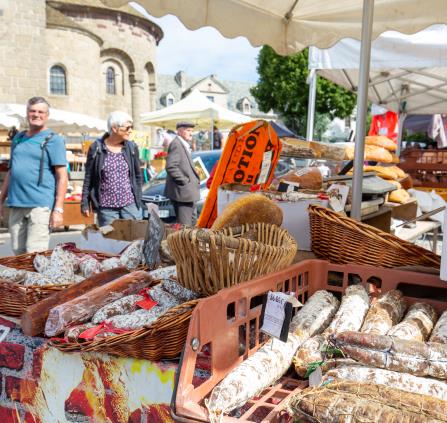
(224,330)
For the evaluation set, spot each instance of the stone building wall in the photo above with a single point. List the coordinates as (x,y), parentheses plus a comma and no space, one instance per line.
(85,41)
(81,62)
(22,50)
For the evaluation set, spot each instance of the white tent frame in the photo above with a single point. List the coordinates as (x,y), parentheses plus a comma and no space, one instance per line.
(291,25)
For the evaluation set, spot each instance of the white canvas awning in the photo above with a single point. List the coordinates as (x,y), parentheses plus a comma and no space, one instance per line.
(59,120)
(407,72)
(196,108)
(7,122)
(290,25)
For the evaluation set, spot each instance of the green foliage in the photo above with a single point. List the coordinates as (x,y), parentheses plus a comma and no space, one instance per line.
(282,87)
(420,137)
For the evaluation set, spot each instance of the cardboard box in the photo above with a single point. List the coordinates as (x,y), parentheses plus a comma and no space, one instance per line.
(296,216)
(114,238)
(405,211)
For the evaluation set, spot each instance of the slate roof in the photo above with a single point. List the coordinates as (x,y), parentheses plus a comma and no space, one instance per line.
(237,90)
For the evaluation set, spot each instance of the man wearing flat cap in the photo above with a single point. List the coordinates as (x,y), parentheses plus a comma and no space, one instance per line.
(182,182)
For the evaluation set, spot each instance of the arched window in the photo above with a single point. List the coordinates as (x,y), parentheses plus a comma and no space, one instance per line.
(58,80)
(110,81)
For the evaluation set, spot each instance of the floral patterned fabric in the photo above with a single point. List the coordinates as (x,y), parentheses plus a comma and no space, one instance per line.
(115,189)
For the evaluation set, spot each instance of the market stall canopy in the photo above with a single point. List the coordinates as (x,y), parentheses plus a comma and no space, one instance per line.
(290,25)
(59,120)
(407,72)
(196,108)
(7,122)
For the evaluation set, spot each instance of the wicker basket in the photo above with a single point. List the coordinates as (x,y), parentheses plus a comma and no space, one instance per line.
(164,339)
(342,240)
(14,298)
(208,261)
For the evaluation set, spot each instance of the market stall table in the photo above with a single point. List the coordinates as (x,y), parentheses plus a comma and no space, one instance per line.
(43,384)
(421,228)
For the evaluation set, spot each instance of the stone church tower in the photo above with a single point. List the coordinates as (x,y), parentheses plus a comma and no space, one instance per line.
(80,55)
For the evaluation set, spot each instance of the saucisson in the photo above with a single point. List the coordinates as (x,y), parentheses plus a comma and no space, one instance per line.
(387,352)
(417,323)
(81,309)
(439,333)
(272,360)
(387,311)
(365,403)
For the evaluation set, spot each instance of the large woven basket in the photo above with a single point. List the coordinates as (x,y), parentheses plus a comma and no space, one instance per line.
(208,261)
(342,240)
(14,298)
(165,338)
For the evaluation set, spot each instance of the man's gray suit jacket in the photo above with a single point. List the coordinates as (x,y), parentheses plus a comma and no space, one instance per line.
(182,182)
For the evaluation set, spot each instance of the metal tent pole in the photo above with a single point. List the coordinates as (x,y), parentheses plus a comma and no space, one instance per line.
(402,117)
(362,107)
(312,81)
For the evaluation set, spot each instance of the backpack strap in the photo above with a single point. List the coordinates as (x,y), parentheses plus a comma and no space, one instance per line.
(43,149)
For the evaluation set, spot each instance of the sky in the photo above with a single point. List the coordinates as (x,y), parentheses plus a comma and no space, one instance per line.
(203,52)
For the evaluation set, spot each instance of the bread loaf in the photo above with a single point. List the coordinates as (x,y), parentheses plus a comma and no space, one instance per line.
(399,196)
(381,141)
(372,153)
(252,208)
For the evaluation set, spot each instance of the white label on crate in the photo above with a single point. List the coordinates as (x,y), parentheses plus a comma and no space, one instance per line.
(274,315)
(315,377)
(265,167)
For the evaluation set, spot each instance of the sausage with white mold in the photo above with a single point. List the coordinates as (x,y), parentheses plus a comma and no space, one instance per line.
(353,308)
(272,360)
(439,333)
(417,323)
(384,313)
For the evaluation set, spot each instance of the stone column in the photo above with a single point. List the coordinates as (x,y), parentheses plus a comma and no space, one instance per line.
(137,92)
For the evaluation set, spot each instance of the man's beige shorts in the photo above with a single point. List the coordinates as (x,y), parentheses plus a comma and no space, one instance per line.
(29,229)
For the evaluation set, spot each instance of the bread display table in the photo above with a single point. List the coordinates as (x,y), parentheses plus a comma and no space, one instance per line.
(421,228)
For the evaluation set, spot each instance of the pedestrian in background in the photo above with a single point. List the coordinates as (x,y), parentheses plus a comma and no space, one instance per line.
(113,179)
(36,182)
(182,182)
(217,139)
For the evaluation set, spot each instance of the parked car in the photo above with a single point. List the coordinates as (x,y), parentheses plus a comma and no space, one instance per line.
(153,192)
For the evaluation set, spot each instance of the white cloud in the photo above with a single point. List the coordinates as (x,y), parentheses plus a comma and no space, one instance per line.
(203,52)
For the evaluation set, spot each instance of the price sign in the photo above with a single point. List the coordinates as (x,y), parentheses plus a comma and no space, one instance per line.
(265,167)
(277,313)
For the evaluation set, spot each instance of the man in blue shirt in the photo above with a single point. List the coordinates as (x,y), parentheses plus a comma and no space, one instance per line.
(36,182)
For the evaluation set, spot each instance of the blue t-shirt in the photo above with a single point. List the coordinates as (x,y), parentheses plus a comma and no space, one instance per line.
(23,190)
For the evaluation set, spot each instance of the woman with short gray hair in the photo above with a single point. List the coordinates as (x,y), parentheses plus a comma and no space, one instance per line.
(113,180)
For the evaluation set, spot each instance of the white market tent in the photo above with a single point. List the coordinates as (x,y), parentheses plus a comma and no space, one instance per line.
(59,120)
(196,108)
(407,72)
(7,122)
(291,25)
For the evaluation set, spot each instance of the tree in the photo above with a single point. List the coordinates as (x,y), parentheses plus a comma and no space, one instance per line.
(282,87)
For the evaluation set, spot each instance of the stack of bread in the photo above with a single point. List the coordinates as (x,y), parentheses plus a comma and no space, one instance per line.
(377,148)
(396,176)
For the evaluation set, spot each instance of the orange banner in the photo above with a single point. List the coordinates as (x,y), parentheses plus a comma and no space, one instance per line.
(249,158)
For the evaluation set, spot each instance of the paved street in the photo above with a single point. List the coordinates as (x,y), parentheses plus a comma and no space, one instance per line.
(73,235)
